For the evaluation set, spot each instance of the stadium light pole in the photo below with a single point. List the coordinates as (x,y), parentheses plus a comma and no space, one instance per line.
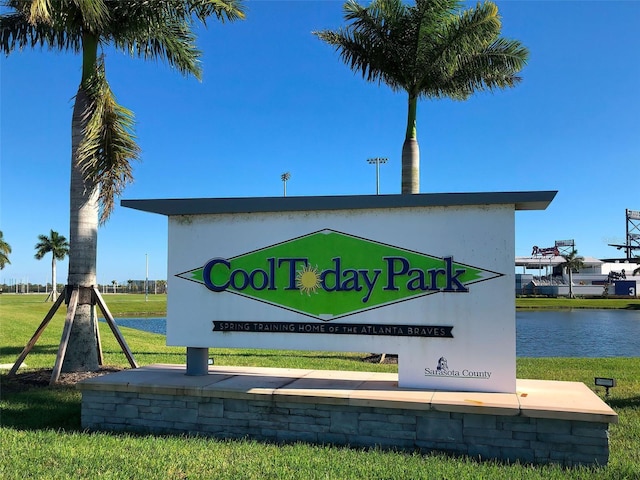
(146,278)
(284,177)
(377,161)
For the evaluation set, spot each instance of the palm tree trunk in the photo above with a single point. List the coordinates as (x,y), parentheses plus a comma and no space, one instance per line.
(570,283)
(81,354)
(54,292)
(411,152)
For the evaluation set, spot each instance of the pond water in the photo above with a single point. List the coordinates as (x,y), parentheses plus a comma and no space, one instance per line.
(541,333)
(578,333)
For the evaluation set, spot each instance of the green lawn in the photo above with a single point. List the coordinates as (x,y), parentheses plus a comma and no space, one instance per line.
(42,438)
(559,303)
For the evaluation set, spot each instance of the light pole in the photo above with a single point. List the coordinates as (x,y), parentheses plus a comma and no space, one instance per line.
(284,177)
(377,161)
(146,278)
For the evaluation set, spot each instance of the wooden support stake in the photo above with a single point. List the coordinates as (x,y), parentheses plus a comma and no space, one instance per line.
(114,328)
(98,341)
(34,338)
(66,332)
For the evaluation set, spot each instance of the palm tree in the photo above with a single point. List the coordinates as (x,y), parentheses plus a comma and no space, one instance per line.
(59,247)
(429,50)
(5,250)
(103,143)
(572,262)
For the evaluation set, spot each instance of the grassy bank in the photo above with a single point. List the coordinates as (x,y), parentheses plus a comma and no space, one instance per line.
(42,437)
(135,305)
(562,303)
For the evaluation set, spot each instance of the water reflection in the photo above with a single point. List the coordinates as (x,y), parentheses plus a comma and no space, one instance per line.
(578,333)
(557,333)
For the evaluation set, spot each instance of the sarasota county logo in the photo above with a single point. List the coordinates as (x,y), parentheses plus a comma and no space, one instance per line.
(329,274)
(442,370)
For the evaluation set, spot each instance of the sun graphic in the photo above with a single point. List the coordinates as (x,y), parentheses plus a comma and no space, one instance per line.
(308,280)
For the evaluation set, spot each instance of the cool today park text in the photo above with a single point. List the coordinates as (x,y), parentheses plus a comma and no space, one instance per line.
(336,279)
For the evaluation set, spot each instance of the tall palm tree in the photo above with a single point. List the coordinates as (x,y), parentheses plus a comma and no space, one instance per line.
(572,262)
(59,247)
(103,143)
(432,49)
(5,250)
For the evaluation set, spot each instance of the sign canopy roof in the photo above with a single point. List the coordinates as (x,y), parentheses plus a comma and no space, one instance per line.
(528,200)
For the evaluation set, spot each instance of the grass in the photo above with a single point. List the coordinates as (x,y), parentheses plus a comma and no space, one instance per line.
(42,437)
(562,302)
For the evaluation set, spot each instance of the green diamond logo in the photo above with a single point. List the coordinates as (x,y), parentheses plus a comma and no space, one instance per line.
(330,274)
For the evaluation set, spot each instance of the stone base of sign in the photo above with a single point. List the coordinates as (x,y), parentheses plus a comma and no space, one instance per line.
(544,422)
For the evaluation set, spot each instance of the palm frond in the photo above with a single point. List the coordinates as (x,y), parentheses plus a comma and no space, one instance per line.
(39,11)
(471,56)
(164,30)
(5,250)
(170,40)
(53,23)
(223,10)
(16,33)
(494,67)
(369,44)
(108,146)
(472,29)
(4,246)
(95,13)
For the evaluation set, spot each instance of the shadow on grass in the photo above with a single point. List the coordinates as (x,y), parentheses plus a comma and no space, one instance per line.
(628,402)
(17,350)
(632,306)
(40,407)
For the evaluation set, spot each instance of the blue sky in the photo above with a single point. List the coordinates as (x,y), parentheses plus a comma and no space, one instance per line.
(274,99)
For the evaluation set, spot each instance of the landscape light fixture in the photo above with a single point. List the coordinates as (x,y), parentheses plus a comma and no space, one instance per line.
(284,177)
(606,383)
(377,161)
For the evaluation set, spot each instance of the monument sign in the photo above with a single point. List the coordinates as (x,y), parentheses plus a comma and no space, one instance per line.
(429,277)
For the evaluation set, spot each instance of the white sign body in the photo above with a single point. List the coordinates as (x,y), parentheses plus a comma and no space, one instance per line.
(433,284)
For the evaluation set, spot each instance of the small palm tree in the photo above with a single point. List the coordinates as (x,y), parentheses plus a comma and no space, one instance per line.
(432,49)
(5,250)
(572,262)
(58,246)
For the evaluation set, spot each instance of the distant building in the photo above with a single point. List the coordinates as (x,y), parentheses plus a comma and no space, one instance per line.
(596,275)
